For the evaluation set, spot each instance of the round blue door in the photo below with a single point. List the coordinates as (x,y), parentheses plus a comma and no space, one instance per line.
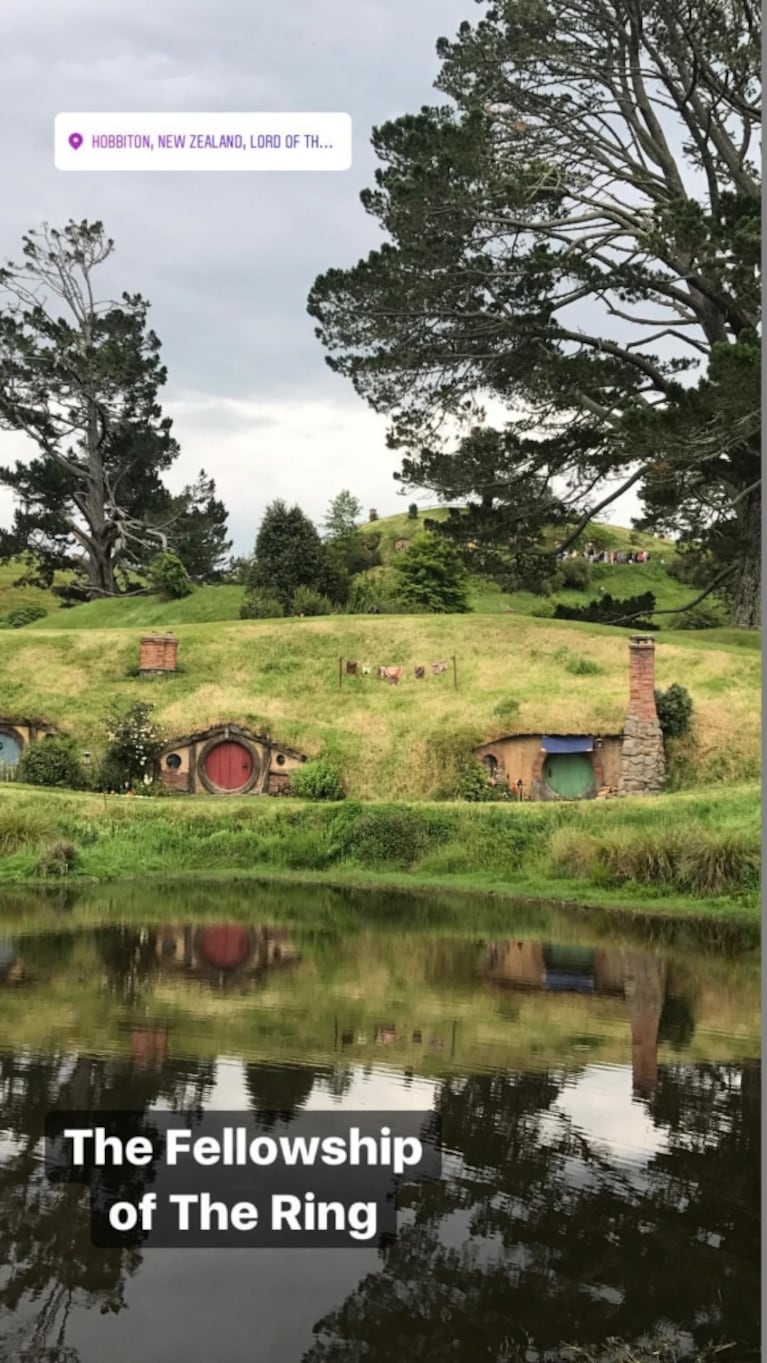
(10,750)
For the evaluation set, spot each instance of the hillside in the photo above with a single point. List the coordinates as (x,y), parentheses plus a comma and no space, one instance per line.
(223,603)
(515,674)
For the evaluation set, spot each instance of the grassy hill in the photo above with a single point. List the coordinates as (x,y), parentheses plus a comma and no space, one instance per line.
(207,604)
(515,674)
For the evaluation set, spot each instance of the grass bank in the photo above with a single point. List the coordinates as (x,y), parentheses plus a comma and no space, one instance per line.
(691,855)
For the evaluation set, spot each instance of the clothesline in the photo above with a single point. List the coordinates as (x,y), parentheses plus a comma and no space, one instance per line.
(349,667)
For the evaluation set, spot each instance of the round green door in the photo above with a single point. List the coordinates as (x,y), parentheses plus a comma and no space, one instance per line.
(569,774)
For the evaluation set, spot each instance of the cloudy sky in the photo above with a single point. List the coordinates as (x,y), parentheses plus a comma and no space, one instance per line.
(226,259)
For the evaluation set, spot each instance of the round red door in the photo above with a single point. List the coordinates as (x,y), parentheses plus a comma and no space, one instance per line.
(225,946)
(229,766)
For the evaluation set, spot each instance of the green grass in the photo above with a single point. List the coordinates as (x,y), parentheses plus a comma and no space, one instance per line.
(210,604)
(204,606)
(11,596)
(515,675)
(695,854)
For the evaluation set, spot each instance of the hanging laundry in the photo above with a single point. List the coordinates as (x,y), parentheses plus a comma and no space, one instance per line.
(420,673)
(366,669)
(382,671)
(437,668)
(351,669)
(393,674)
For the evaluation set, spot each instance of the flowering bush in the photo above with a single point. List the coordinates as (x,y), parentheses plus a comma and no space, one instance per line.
(134,744)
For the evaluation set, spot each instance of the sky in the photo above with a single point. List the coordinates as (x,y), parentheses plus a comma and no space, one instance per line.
(226,259)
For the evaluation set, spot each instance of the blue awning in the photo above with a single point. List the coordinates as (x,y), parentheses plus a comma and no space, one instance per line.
(556,743)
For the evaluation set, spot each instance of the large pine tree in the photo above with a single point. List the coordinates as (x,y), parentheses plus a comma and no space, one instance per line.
(575,236)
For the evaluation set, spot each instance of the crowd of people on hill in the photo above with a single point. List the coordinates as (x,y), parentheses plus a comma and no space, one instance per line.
(594,555)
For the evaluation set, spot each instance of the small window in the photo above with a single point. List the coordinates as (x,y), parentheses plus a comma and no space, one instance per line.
(280,759)
(490,764)
(173,761)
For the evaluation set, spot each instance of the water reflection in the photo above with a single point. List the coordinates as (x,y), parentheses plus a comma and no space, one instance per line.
(637,977)
(600,1107)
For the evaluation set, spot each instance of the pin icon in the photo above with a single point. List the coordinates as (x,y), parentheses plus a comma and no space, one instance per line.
(75,141)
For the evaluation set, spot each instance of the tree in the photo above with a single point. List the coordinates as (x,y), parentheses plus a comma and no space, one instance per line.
(196,528)
(81,379)
(431,573)
(343,515)
(575,237)
(289,554)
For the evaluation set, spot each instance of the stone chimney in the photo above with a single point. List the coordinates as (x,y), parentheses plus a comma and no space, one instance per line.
(643,763)
(158,654)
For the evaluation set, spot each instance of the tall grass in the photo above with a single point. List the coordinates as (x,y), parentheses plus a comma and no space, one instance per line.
(677,849)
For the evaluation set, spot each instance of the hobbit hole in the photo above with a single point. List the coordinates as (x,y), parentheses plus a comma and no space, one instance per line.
(15,735)
(584,766)
(227,760)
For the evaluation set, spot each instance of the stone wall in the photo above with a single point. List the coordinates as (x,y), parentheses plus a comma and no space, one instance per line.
(643,762)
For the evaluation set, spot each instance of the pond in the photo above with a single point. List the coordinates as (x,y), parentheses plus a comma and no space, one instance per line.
(598,1093)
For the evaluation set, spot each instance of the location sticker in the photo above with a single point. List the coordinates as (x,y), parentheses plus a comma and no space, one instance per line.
(295,141)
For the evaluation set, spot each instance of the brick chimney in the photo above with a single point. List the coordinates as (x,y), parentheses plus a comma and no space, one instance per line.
(158,654)
(642,679)
(643,762)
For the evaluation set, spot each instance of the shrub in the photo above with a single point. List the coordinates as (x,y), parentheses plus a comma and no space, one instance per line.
(58,860)
(475,785)
(134,744)
(24,615)
(582,667)
(261,604)
(52,762)
(575,573)
(317,780)
(168,577)
(609,610)
(374,591)
(388,836)
(412,512)
(432,574)
(675,709)
(307,601)
(110,775)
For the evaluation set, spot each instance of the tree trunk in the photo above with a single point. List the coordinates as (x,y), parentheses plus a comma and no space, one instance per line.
(101,575)
(746,610)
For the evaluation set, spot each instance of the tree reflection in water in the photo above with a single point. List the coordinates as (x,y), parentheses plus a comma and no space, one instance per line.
(536,1234)
(45,1241)
(536,1230)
